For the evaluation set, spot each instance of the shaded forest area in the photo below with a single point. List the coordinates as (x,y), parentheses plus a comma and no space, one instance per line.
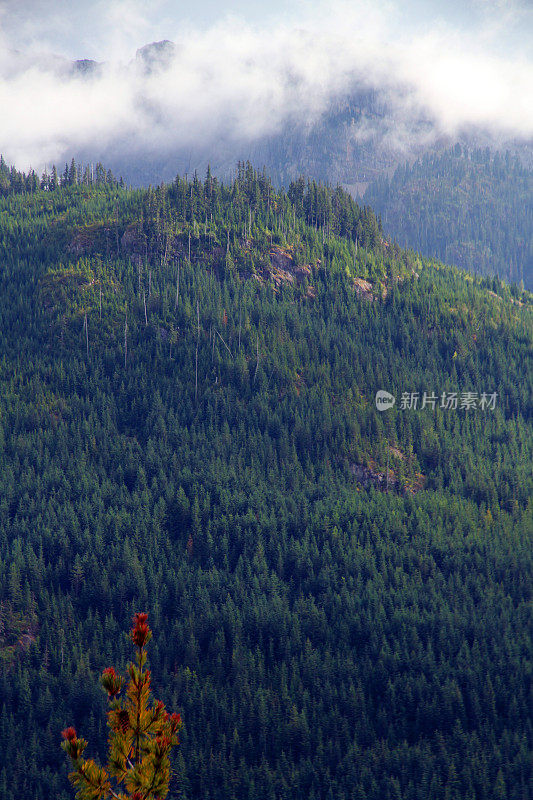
(471,208)
(188,427)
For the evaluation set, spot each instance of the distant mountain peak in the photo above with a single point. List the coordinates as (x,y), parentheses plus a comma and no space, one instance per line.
(156,55)
(86,66)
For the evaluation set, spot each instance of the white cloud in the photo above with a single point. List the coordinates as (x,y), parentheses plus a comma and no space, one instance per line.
(239,82)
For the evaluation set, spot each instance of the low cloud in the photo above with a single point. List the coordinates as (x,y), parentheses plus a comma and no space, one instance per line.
(235,82)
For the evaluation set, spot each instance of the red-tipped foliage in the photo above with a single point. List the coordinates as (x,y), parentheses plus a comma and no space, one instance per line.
(111,682)
(140,633)
(72,745)
(175,722)
(69,734)
(142,734)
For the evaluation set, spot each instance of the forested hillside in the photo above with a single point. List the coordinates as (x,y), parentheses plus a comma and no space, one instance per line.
(340,597)
(471,208)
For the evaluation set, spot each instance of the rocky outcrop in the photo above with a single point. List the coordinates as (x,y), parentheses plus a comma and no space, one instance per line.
(283,268)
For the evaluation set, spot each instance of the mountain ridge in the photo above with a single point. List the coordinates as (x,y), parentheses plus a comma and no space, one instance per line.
(340,595)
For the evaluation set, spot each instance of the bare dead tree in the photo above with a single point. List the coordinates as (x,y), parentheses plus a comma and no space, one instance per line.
(197,343)
(167,242)
(145,314)
(86,329)
(178,284)
(126,337)
(388,457)
(240,318)
(116,231)
(257,362)
(224,343)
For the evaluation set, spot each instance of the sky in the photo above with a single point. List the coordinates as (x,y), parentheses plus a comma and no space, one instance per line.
(241,71)
(93,29)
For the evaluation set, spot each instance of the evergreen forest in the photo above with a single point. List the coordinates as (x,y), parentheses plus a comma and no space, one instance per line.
(340,596)
(468,207)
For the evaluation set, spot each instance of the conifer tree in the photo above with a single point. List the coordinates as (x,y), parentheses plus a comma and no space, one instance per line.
(142,733)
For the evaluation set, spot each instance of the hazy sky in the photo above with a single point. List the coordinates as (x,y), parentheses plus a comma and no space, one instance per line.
(104,29)
(241,72)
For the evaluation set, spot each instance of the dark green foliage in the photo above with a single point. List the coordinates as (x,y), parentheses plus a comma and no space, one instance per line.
(14,182)
(322,638)
(469,208)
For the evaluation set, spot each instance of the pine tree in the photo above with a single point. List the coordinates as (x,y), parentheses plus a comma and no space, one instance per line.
(141,736)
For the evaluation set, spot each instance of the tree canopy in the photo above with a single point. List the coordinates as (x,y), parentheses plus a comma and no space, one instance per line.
(342,596)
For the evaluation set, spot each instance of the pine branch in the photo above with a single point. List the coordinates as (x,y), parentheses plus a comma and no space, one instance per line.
(151,736)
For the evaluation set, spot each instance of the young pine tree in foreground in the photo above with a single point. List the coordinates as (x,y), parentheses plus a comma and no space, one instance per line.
(141,736)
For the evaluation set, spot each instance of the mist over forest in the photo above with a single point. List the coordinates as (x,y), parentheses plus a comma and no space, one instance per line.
(266,400)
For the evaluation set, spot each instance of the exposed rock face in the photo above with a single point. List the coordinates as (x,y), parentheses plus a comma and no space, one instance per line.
(130,241)
(363,289)
(366,476)
(283,267)
(156,56)
(80,244)
(281,260)
(302,273)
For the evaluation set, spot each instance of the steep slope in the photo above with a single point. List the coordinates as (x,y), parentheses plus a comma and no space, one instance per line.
(188,426)
(472,208)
